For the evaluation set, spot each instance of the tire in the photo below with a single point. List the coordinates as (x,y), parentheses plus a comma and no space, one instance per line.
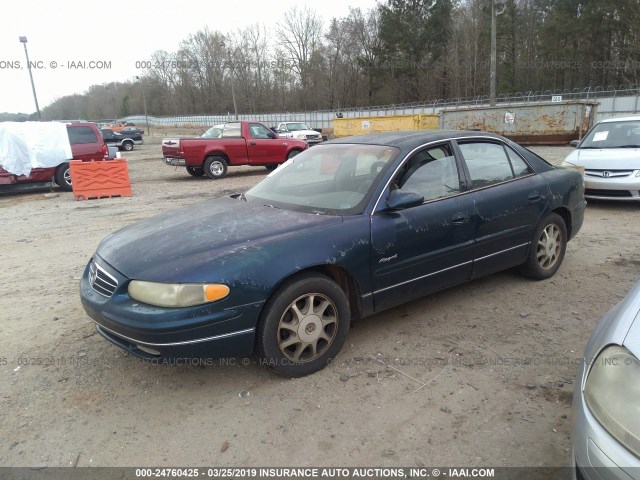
(292,154)
(271,167)
(62,177)
(127,146)
(195,171)
(547,248)
(307,311)
(215,167)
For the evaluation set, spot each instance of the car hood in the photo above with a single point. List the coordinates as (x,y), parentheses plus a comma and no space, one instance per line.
(170,246)
(606,158)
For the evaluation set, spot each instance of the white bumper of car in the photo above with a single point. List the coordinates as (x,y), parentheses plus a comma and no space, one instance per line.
(612,187)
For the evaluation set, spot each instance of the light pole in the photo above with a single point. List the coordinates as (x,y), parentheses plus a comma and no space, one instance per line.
(115,119)
(23,40)
(492,79)
(233,92)
(144,104)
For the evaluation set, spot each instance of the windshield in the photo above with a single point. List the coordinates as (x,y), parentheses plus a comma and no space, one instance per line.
(624,134)
(213,132)
(332,179)
(294,127)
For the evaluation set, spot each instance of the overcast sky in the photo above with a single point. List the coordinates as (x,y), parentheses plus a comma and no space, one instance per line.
(62,34)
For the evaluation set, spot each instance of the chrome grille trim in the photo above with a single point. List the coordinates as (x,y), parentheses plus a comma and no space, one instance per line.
(611,173)
(101,281)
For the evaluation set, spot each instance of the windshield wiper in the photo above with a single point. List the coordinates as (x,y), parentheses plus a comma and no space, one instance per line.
(629,146)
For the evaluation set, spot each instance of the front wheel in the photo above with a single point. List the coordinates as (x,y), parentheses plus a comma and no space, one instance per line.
(303,325)
(195,171)
(62,177)
(271,167)
(547,249)
(127,146)
(292,154)
(215,167)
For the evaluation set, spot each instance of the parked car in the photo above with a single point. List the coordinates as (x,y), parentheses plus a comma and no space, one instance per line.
(86,144)
(234,143)
(341,231)
(609,156)
(132,131)
(121,140)
(605,436)
(299,131)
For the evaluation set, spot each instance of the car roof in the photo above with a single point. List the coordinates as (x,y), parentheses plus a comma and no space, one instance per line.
(412,138)
(621,119)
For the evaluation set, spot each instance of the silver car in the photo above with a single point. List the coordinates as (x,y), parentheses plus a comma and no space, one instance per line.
(609,156)
(605,436)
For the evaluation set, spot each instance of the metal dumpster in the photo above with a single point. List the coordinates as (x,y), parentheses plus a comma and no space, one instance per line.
(549,123)
(346,127)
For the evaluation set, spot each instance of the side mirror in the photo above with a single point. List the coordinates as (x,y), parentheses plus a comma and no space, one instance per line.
(400,199)
(574,143)
(272,135)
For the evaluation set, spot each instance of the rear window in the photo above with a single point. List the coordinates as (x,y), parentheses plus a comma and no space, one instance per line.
(81,135)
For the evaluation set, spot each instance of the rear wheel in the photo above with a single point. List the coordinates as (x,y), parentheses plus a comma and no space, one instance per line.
(195,171)
(62,177)
(303,325)
(547,248)
(215,167)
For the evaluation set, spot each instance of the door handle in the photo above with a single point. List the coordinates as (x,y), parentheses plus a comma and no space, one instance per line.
(253,144)
(535,197)
(460,218)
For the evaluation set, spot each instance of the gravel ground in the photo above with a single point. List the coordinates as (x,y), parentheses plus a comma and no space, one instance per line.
(477,375)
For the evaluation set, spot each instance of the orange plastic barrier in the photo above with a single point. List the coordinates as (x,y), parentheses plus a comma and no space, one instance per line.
(100,178)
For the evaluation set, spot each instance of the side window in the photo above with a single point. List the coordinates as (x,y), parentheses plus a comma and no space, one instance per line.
(520,167)
(432,173)
(79,135)
(258,131)
(487,163)
(232,130)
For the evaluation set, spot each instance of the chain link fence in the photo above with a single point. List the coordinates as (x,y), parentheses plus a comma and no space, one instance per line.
(614,101)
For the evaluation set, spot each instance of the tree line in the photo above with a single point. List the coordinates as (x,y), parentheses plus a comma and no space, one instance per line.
(398,52)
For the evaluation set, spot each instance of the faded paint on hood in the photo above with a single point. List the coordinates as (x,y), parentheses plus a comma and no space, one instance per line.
(161,248)
(606,158)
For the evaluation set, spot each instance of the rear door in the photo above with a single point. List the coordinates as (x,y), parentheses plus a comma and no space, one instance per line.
(262,148)
(509,200)
(428,247)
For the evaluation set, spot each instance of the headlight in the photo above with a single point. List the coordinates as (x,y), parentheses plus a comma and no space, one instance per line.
(612,392)
(176,295)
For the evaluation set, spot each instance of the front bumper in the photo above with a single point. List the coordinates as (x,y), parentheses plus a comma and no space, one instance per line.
(203,331)
(595,453)
(175,162)
(615,188)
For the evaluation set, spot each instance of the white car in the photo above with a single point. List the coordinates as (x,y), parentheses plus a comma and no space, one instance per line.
(609,156)
(299,131)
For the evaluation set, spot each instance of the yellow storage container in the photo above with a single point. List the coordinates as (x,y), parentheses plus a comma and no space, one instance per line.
(346,127)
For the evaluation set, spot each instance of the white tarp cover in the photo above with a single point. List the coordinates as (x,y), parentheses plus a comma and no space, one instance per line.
(27,145)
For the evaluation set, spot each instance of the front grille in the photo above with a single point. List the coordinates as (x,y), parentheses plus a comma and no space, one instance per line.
(596,192)
(607,173)
(313,137)
(101,281)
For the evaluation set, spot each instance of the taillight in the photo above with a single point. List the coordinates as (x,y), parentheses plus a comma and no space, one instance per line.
(105,151)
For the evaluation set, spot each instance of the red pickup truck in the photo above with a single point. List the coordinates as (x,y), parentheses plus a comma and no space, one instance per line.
(234,143)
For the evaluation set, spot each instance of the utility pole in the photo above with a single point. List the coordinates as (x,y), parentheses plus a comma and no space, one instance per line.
(492,85)
(23,40)
(144,104)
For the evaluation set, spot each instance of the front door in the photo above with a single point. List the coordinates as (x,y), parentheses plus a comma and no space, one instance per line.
(427,247)
(262,148)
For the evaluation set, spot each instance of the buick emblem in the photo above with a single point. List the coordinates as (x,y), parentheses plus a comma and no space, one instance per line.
(605,174)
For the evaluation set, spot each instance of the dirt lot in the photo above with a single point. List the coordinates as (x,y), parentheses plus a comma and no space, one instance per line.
(478,375)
